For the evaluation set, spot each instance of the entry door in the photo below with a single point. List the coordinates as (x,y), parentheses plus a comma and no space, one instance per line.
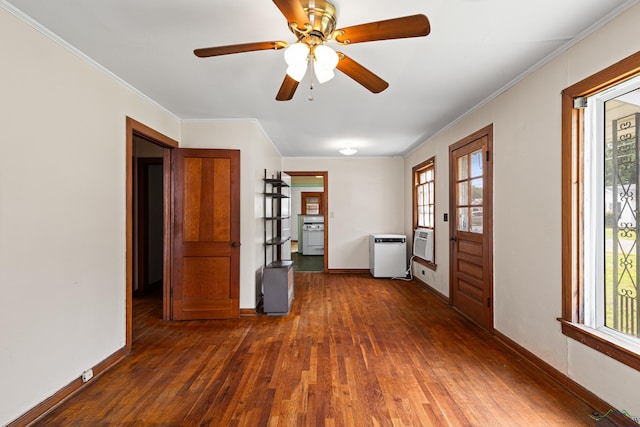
(472,227)
(206,234)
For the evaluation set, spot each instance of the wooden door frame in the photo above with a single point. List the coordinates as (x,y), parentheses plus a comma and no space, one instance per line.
(488,220)
(136,128)
(325,208)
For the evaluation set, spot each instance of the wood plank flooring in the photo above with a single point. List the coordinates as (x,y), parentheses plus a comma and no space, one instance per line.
(354,351)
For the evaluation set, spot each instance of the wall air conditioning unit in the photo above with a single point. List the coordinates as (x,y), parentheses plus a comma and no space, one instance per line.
(423,244)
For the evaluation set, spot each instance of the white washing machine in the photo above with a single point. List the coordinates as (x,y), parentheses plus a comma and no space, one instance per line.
(388,255)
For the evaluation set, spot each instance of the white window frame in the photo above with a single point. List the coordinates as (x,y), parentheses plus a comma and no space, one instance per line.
(594,199)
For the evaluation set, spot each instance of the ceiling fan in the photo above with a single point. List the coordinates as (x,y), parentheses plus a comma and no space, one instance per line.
(313,23)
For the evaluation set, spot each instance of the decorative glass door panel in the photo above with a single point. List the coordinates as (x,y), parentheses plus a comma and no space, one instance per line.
(469,192)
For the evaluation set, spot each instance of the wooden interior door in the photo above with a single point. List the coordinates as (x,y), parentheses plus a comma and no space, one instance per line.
(206,234)
(311,203)
(471,254)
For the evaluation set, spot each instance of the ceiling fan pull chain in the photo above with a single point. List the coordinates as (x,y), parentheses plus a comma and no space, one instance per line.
(311,84)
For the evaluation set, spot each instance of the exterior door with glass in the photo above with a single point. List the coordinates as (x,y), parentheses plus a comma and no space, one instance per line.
(471,245)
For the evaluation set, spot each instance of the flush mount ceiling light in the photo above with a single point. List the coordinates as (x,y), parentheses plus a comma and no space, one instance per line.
(348,151)
(313,23)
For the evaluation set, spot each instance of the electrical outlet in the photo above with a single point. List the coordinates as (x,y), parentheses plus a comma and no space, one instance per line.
(423,273)
(87,375)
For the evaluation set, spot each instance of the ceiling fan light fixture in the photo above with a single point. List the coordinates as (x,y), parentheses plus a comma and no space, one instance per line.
(322,74)
(296,54)
(297,72)
(326,57)
(325,61)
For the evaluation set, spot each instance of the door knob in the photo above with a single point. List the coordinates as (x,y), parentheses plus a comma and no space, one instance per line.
(453,239)
(234,244)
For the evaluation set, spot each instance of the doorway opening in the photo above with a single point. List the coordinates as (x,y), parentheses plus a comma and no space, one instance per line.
(309,225)
(147,229)
(148,224)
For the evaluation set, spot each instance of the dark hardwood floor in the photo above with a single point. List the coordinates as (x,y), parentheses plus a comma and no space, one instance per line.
(307,263)
(354,351)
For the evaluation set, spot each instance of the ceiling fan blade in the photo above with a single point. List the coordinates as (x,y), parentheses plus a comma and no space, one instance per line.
(397,28)
(287,89)
(360,74)
(293,11)
(206,52)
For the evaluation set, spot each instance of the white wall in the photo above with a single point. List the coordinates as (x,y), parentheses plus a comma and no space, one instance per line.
(257,153)
(365,197)
(62,213)
(527,209)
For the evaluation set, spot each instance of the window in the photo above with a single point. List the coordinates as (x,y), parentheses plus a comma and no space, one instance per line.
(424,199)
(424,194)
(600,204)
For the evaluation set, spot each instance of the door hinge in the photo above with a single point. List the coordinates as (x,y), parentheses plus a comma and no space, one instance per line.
(171,292)
(580,102)
(487,155)
(489,302)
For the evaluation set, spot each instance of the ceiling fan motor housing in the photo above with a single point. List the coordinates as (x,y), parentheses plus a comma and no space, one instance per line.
(322,16)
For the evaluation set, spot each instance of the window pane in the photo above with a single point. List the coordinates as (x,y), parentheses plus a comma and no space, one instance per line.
(476,220)
(463,167)
(424,195)
(476,164)
(463,193)
(429,175)
(476,191)
(620,208)
(463,219)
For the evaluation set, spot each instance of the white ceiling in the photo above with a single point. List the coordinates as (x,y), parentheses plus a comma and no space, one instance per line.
(476,48)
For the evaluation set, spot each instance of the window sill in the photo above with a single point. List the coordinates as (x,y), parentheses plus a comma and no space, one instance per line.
(426,263)
(603,342)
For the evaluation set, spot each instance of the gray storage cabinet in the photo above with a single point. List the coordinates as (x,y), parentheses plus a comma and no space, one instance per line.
(277,281)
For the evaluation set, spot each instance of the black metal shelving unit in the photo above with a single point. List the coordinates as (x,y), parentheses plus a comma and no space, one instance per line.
(277,277)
